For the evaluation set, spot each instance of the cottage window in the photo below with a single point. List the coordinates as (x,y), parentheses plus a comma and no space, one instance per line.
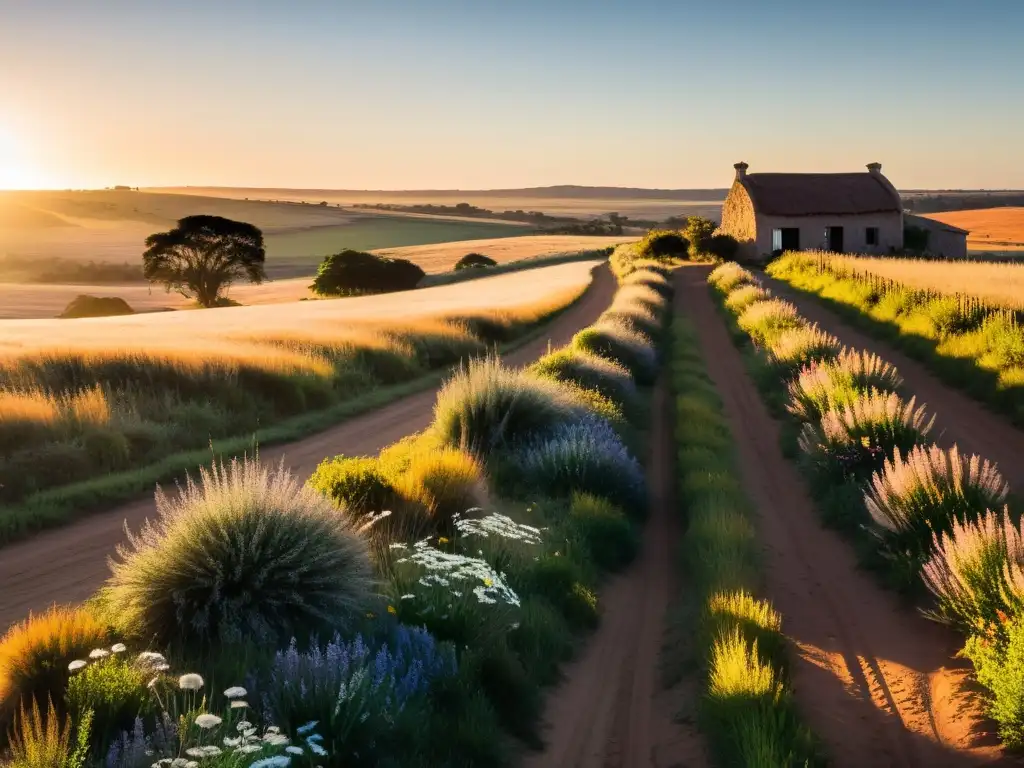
(776,239)
(871,236)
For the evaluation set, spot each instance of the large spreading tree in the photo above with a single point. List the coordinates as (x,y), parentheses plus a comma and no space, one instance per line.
(203,255)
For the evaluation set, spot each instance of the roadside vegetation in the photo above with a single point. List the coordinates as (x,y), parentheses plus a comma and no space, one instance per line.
(934,523)
(404,609)
(79,423)
(965,321)
(747,707)
(461,274)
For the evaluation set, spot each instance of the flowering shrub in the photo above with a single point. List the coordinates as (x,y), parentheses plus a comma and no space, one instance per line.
(589,371)
(922,494)
(855,440)
(245,554)
(356,483)
(827,385)
(585,456)
(999,666)
(487,406)
(619,343)
(726,277)
(969,569)
(355,692)
(114,690)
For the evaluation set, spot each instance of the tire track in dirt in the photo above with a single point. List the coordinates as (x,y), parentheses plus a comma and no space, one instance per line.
(68,564)
(959,418)
(873,679)
(611,711)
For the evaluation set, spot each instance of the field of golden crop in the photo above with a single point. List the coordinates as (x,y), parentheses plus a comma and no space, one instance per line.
(999,284)
(26,301)
(992,229)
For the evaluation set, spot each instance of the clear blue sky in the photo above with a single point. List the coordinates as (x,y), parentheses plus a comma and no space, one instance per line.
(449,93)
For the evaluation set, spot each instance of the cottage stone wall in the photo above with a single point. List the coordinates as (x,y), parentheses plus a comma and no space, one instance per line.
(812,231)
(738,220)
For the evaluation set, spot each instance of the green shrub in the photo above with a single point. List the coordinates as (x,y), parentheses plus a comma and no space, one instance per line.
(97,306)
(358,484)
(723,247)
(34,656)
(923,493)
(445,482)
(950,315)
(487,406)
(559,580)
(662,245)
(833,384)
(246,554)
(967,572)
(648,278)
(573,366)
(515,697)
(1000,668)
(855,440)
(474,261)
(622,345)
(542,639)
(351,273)
(745,295)
(114,691)
(606,532)
(764,321)
(637,319)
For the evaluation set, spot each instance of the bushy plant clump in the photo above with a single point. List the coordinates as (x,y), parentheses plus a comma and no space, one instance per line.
(297,565)
(832,384)
(765,320)
(350,273)
(743,296)
(727,277)
(590,371)
(922,494)
(475,261)
(620,344)
(799,347)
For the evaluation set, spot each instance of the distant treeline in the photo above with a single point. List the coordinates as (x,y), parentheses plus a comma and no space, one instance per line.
(24,269)
(465,209)
(961,201)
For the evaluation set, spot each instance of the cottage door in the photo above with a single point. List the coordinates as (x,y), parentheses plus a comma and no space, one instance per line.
(834,239)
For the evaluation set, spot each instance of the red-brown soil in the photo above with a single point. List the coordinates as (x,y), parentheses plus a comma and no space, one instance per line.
(878,683)
(611,711)
(67,565)
(959,419)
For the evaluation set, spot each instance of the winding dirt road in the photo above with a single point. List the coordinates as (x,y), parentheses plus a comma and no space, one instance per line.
(875,681)
(69,564)
(611,710)
(959,419)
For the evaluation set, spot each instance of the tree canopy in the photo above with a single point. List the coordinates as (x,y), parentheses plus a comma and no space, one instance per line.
(475,260)
(351,273)
(203,255)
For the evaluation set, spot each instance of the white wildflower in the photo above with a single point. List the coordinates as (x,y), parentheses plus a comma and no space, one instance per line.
(302,730)
(235,692)
(460,568)
(118,648)
(248,749)
(501,526)
(316,749)
(239,704)
(99,653)
(76,665)
(232,741)
(190,682)
(208,721)
(275,739)
(294,750)
(410,596)
(281,761)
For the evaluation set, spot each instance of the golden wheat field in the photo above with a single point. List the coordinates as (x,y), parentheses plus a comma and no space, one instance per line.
(219,326)
(1001,284)
(992,229)
(26,300)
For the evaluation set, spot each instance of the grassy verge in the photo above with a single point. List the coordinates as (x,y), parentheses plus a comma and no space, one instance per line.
(747,710)
(941,527)
(531,262)
(419,637)
(970,345)
(58,506)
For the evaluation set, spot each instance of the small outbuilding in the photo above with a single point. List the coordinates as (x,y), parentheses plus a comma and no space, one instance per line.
(842,212)
(938,239)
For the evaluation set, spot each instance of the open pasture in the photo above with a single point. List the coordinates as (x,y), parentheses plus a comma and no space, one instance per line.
(992,229)
(28,300)
(583,205)
(112,225)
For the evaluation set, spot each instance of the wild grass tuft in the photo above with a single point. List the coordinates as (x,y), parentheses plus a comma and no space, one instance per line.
(49,741)
(921,494)
(830,385)
(358,484)
(297,564)
(765,320)
(743,296)
(619,343)
(727,277)
(445,482)
(798,347)
(589,371)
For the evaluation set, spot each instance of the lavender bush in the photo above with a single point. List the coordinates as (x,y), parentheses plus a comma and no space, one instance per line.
(586,456)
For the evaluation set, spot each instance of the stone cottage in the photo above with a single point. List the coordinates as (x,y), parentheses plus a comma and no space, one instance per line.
(843,212)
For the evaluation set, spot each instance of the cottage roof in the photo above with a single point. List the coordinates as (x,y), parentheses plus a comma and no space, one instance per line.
(815,194)
(930,223)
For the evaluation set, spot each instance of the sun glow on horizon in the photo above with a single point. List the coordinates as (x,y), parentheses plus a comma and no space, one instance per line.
(16,168)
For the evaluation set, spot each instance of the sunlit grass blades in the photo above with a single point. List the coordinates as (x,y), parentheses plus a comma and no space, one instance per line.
(831,384)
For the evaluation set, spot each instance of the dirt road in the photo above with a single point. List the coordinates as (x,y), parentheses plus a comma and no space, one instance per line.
(874,680)
(68,564)
(611,711)
(959,419)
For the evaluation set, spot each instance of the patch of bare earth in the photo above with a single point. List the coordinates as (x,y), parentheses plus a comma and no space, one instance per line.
(877,682)
(611,710)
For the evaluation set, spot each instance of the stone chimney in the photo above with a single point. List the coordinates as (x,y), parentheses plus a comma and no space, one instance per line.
(875,168)
(741,170)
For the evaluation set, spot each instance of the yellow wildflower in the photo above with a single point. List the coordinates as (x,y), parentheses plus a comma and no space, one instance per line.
(392,611)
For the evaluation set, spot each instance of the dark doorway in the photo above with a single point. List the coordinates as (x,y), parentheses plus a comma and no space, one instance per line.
(834,239)
(790,239)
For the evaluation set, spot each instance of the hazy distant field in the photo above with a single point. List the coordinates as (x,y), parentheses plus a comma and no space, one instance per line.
(992,229)
(47,301)
(113,225)
(201,327)
(582,207)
